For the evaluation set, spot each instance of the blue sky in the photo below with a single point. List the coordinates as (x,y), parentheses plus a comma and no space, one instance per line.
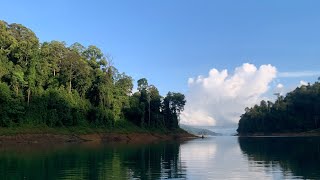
(169,41)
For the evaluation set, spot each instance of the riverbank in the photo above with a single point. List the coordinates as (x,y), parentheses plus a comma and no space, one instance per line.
(315,132)
(51,136)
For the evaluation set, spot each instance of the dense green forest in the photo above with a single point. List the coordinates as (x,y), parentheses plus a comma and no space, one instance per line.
(56,85)
(298,111)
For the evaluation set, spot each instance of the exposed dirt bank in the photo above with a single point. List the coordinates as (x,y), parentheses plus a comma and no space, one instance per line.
(96,138)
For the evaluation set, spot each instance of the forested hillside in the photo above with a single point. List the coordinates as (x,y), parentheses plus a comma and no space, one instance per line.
(298,111)
(57,85)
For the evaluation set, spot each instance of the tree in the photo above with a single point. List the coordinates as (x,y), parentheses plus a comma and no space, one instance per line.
(142,84)
(55,85)
(122,90)
(94,55)
(78,48)
(173,105)
(155,106)
(298,111)
(144,99)
(26,43)
(11,110)
(73,67)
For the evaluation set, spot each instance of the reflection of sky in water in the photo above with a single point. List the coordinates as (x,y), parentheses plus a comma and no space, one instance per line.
(221,158)
(230,130)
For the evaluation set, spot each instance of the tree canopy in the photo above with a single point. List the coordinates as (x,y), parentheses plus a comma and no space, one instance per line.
(58,85)
(298,111)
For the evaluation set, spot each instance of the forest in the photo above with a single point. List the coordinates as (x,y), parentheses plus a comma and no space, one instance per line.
(298,111)
(52,84)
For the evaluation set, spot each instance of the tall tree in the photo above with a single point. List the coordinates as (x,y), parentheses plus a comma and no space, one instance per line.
(57,85)
(173,105)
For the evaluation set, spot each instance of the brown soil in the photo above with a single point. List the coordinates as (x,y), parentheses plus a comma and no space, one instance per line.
(96,138)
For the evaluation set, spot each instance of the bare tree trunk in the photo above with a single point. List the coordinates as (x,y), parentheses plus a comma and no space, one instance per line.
(70,85)
(70,77)
(17,90)
(29,95)
(149,113)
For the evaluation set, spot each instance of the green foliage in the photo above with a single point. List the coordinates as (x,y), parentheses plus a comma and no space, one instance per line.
(173,105)
(52,85)
(11,110)
(101,116)
(297,112)
(147,109)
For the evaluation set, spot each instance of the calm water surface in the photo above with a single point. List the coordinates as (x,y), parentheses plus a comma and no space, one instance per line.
(210,158)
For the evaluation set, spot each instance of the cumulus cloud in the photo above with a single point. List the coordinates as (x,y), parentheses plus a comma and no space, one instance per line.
(303,83)
(220,97)
(280,89)
(280,86)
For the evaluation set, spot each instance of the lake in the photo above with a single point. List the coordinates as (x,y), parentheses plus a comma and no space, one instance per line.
(224,157)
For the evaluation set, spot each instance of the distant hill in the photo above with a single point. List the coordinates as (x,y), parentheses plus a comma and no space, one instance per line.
(198,131)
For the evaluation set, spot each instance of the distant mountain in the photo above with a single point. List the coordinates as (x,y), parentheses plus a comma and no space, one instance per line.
(198,131)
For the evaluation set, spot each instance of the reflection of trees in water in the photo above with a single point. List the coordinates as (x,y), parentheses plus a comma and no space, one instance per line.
(69,163)
(144,162)
(153,162)
(300,156)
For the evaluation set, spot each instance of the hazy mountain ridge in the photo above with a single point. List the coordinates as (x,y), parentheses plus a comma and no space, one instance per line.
(198,130)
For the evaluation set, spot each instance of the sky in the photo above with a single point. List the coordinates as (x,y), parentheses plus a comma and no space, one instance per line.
(224,55)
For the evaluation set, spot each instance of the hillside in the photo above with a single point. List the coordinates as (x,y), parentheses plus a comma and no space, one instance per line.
(297,112)
(198,131)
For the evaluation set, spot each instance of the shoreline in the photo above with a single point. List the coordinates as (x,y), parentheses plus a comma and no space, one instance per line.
(298,134)
(92,138)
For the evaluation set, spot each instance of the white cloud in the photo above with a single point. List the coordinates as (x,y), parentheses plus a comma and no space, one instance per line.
(280,86)
(280,89)
(303,83)
(220,98)
(298,74)
(199,117)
